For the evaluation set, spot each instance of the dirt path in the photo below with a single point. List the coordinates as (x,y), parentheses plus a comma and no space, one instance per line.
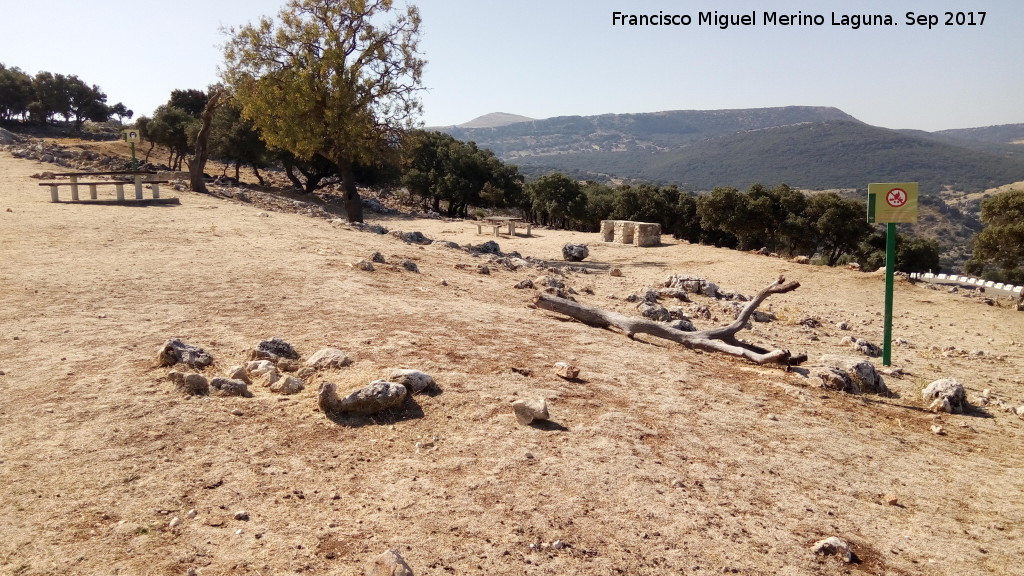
(659,460)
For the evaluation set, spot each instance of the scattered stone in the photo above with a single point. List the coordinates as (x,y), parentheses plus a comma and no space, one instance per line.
(364,265)
(834,546)
(412,237)
(549,282)
(811,323)
(693,285)
(192,513)
(947,395)
(192,384)
(174,351)
(801,260)
(288,385)
(273,349)
(483,269)
(286,365)
(892,500)
(377,257)
(242,515)
(654,311)
(524,285)
(527,411)
(575,252)
(938,430)
(489,247)
(237,412)
(239,373)
(410,266)
(414,381)
(842,326)
(327,358)
(175,522)
(835,378)
(230,387)
(615,272)
(566,370)
(851,375)
(389,563)
(267,377)
(376,397)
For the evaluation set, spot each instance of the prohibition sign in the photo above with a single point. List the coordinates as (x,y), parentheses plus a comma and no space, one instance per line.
(896,197)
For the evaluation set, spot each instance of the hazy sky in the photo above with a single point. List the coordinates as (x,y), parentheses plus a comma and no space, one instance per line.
(565,57)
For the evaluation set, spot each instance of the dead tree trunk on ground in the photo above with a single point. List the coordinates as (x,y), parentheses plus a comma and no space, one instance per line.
(722,339)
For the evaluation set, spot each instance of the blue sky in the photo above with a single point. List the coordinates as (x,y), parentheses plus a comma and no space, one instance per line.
(564,57)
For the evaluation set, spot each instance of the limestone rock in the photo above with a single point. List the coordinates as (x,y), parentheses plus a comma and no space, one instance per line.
(288,385)
(566,370)
(948,392)
(376,397)
(835,378)
(192,384)
(528,411)
(327,398)
(654,311)
(389,563)
(229,387)
(575,252)
(239,373)
(174,351)
(273,349)
(414,381)
(328,358)
(834,546)
(852,375)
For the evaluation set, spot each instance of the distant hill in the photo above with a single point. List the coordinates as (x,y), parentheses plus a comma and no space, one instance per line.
(804,146)
(494,120)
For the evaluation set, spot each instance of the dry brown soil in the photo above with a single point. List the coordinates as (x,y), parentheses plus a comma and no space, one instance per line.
(658,460)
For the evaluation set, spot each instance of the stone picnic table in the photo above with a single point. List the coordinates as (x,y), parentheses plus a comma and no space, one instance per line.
(496,222)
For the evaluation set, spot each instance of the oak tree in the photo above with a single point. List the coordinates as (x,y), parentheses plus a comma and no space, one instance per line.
(337,78)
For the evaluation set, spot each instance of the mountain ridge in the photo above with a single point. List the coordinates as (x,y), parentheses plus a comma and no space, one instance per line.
(817,147)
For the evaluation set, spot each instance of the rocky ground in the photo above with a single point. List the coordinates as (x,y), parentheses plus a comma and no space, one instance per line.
(654,459)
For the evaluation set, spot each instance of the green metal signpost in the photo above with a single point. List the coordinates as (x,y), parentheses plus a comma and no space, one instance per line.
(132,135)
(891,203)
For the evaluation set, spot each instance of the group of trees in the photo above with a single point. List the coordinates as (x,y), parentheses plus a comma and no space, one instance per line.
(46,97)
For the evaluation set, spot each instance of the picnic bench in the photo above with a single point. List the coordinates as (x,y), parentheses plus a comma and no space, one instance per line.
(496,222)
(132,178)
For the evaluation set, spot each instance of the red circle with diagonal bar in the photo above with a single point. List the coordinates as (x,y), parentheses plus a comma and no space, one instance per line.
(896,197)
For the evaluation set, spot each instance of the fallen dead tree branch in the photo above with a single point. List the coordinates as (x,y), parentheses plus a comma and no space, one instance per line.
(722,339)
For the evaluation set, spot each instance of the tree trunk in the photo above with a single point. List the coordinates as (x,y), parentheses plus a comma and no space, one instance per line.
(197,164)
(722,339)
(259,177)
(353,203)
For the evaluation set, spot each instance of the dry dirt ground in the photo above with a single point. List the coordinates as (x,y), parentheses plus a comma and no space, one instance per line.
(658,460)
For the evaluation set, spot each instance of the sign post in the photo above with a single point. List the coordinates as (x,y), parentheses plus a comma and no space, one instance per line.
(890,204)
(132,135)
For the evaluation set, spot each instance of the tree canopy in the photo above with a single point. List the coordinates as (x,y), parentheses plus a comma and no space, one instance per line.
(336,78)
(999,247)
